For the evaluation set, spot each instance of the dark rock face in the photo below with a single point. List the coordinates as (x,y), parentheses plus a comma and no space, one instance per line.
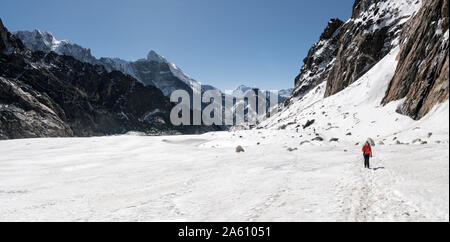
(422,74)
(158,74)
(361,6)
(26,113)
(333,25)
(364,40)
(8,42)
(346,51)
(319,60)
(49,95)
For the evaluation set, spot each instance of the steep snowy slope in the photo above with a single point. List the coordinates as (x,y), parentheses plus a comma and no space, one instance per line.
(356,113)
(346,51)
(366,38)
(369,42)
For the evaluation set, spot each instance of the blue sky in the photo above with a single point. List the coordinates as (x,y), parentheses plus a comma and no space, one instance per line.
(224,43)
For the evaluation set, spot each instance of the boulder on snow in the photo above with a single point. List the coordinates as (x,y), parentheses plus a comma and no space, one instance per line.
(239,149)
(304,142)
(318,138)
(334,139)
(417,141)
(349,133)
(308,123)
(291,149)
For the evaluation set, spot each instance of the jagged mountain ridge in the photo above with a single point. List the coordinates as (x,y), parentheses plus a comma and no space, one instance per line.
(346,51)
(153,70)
(320,59)
(422,76)
(242,90)
(50,95)
(401,99)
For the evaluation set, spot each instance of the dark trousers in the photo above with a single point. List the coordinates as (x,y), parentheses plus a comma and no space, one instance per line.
(366,161)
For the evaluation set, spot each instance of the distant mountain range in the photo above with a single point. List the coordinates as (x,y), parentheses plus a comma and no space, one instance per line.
(155,70)
(242,90)
(44,94)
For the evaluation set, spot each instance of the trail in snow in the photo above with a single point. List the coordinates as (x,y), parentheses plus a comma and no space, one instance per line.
(369,196)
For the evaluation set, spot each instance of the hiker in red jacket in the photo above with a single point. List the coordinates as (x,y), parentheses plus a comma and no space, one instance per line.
(367,152)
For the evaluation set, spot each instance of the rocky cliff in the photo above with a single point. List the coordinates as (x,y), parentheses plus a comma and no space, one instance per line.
(366,38)
(422,75)
(348,50)
(320,59)
(345,51)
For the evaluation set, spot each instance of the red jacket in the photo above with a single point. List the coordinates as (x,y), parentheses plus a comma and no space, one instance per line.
(367,150)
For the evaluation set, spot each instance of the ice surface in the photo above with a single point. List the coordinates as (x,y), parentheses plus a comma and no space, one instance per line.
(202,178)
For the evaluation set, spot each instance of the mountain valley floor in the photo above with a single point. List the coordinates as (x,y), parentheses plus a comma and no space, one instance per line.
(202,178)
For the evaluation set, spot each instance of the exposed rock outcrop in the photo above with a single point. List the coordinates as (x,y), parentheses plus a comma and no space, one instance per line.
(8,42)
(422,75)
(346,51)
(154,70)
(319,60)
(25,113)
(366,38)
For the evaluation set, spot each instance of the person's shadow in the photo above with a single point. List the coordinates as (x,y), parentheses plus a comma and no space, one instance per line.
(378,168)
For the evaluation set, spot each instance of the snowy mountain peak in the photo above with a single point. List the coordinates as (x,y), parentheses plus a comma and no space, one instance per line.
(240,91)
(45,41)
(44,35)
(242,87)
(41,40)
(153,56)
